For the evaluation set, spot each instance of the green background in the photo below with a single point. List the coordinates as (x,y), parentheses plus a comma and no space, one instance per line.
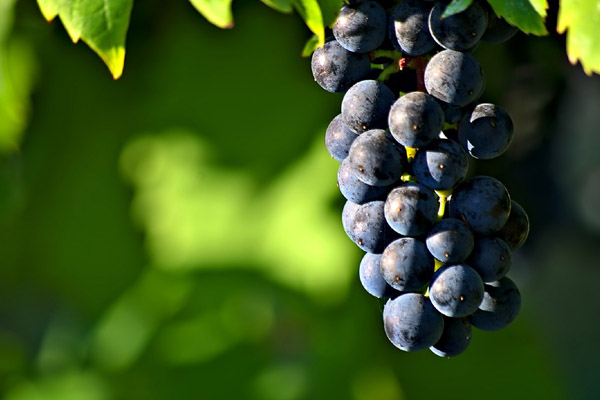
(176,234)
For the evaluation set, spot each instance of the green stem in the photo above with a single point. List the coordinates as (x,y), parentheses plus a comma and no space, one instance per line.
(387,71)
(391,54)
(443,194)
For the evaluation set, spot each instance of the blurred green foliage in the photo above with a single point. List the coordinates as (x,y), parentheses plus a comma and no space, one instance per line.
(176,234)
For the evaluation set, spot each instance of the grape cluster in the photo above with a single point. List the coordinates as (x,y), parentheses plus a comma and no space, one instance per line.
(438,245)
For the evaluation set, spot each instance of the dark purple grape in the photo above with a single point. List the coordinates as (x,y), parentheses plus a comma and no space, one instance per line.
(461,31)
(415,119)
(486,132)
(355,190)
(500,306)
(367,227)
(516,229)
(483,203)
(406,264)
(411,209)
(491,258)
(360,28)
(450,241)
(456,290)
(366,106)
(442,165)
(454,77)
(375,159)
(411,322)
(455,338)
(338,138)
(371,279)
(408,28)
(336,69)
(498,30)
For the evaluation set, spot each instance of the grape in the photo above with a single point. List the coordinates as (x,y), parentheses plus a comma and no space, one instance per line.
(415,119)
(456,290)
(366,106)
(500,306)
(406,265)
(483,202)
(498,30)
(355,190)
(360,28)
(486,132)
(367,227)
(371,279)
(491,258)
(374,158)
(411,209)
(348,213)
(461,31)
(408,28)
(336,69)
(455,338)
(338,138)
(453,115)
(450,241)
(411,322)
(454,77)
(516,229)
(442,165)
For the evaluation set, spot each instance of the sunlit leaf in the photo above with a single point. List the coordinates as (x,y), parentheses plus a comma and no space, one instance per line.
(455,7)
(310,11)
(527,15)
(582,19)
(102,24)
(284,6)
(310,46)
(217,12)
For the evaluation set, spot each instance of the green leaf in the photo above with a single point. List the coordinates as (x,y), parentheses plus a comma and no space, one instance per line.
(310,46)
(582,19)
(217,12)
(527,15)
(284,6)
(102,24)
(330,10)
(310,11)
(456,6)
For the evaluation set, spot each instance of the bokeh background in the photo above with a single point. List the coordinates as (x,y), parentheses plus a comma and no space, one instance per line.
(176,234)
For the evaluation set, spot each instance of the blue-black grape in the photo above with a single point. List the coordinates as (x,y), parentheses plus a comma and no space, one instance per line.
(454,77)
(411,322)
(338,138)
(498,30)
(486,132)
(371,279)
(367,227)
(361,27)
(456,290)
(491,258)
(336,69)
(455,338)
(375,160)
(442,165)
(411,209)
(483,203)
(354,189)
(408,27)
(415,119)
(450,241)
(516,229)
(500,306)
(406,264)
(366,106)
(461,31)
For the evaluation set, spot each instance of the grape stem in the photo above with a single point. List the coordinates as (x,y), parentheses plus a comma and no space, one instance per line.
(391,54)
(387,71)
(443,199)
